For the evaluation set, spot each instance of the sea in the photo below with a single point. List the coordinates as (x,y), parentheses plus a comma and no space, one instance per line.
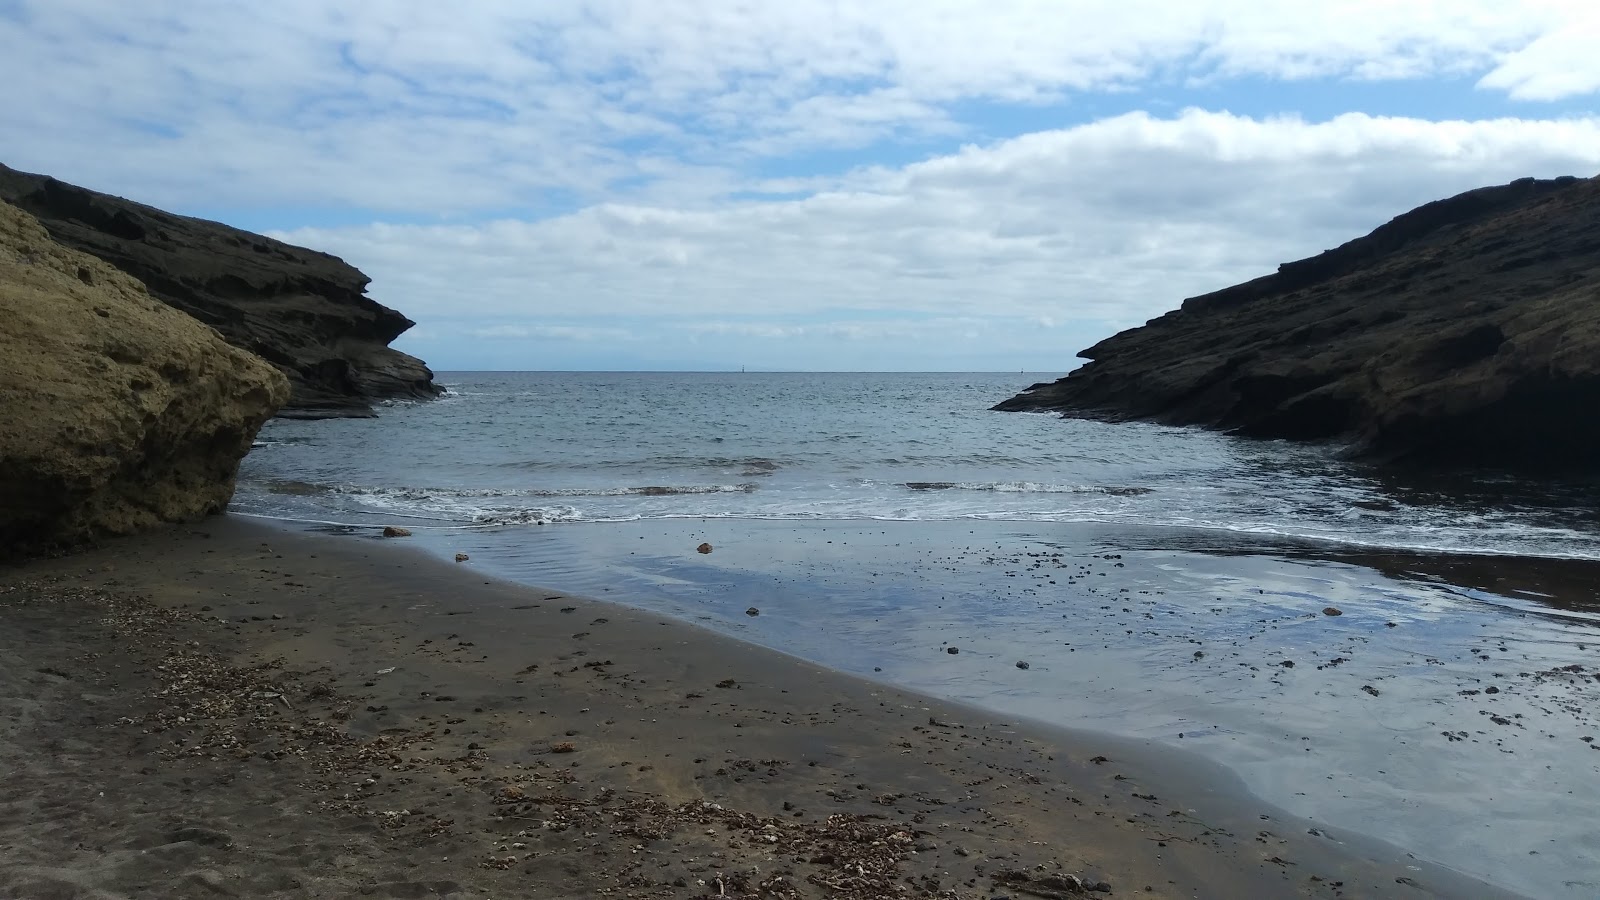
(1407,656)
(507,449)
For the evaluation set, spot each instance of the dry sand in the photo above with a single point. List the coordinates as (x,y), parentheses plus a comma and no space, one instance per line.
(234,710)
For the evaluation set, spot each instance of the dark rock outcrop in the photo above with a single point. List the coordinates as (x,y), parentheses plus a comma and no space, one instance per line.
(1465,332)
(117,412)
(305,312)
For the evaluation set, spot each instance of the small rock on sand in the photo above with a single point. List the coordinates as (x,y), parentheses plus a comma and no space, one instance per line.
(752,611)
(462,557)
(1021,664)
(704,548)
(1332,611)
(395,531)
(952,650)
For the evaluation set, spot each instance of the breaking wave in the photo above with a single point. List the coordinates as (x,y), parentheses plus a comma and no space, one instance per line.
(1027,487)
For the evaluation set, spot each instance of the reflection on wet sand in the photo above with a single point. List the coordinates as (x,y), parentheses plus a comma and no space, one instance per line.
(1560,585)
(1448,707)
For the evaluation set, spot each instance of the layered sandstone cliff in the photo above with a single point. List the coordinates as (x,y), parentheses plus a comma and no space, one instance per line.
(117,412)
(1464,332)
(305,312)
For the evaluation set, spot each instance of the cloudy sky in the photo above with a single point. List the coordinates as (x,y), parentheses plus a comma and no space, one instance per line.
(877,185)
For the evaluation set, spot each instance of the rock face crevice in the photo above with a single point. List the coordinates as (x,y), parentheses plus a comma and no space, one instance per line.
(305,312)
(1464,332)
(119,412)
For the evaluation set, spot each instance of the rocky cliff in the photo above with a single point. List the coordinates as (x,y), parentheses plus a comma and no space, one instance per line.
(117,412)
(305,312)
(1464,332)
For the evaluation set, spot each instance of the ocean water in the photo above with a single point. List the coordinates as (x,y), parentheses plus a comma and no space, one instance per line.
(1162,584)
(509,449)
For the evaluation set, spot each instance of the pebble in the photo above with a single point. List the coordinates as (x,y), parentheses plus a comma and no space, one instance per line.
(752,611)
(1332,611)
(952,650)
(1021,664)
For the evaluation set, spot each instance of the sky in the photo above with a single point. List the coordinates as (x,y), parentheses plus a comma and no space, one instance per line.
(915,185)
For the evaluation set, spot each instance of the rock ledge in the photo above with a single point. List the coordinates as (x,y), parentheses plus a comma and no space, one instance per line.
(305,312)
(1465,332)
(117,412)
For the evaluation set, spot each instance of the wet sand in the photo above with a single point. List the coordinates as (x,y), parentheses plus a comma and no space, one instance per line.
(1449,708)
(236,710)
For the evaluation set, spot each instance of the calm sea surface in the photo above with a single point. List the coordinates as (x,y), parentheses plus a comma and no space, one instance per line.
(525,448)
(1161,584)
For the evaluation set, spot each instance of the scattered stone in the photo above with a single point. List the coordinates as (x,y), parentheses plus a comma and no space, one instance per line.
(1332,611)
(752,611)
(704,548)
(462,557)
(1021,664)
(392,531)
(952,650)
(1370,689)
(1051,886)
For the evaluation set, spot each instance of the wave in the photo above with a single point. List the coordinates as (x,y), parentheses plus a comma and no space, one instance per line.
(745,467)
(1468,545)
(306,488)
(1027,487)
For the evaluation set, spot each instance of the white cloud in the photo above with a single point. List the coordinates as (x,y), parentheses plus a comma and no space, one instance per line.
(618,141)
(1557,64)
(1109,223)
(426,108)
(520,332)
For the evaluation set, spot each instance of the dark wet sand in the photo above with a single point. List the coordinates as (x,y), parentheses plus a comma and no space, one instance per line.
(234,710)
(1449,709)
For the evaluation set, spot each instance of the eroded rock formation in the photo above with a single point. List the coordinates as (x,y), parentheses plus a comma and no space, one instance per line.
(1466,331)
(117,411)
(305,312)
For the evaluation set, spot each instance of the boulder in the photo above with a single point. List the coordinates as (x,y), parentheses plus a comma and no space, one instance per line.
(1463,333)
(117,412)
(305,312)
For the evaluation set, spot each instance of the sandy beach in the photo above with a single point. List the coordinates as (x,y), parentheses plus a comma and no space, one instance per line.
(230,709)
